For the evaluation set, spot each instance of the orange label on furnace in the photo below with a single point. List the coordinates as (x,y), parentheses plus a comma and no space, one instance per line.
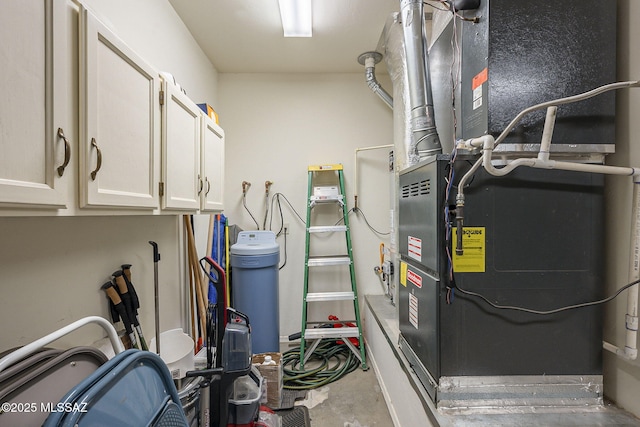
(479,79)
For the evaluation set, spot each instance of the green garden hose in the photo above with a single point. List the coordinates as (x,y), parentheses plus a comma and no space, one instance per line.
(323,371)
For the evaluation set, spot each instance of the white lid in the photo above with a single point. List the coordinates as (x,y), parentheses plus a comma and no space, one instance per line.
(255,243)
(268,360)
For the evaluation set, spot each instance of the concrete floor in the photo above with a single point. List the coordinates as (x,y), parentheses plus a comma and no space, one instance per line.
(355,400)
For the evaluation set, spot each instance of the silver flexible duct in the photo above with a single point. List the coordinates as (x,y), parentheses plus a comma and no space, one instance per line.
(392,45)
(369,60)
(425,140)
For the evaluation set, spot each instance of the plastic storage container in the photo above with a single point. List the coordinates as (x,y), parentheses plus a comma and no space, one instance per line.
(245,399)
(176,350)
(236,347)
(254,259)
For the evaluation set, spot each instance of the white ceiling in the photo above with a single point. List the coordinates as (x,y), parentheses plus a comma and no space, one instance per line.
(245,36)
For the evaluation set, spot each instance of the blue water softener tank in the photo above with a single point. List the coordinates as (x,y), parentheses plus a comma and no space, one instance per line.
(254,263)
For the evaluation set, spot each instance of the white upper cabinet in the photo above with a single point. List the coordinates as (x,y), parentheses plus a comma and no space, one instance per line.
(212,165)
(181,131)
(119,121)
(34,76)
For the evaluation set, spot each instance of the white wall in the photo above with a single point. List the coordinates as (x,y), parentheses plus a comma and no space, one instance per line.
(622,379)
(278,125)
(52,267)
(153,29)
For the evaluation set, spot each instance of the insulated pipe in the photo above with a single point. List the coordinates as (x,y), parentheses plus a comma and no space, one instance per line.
(630,351)
(425,140)
(369,60)
(631,319)
(489,143)
(547,133)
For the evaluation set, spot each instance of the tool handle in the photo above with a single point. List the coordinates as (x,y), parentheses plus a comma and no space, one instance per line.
(156,254)
(126,270)
(123,289)
(111,292)
(118,279)
(295,336)
(233,312)
(220,285)
(206,373)
(221,276)
(114,313)
(118,305)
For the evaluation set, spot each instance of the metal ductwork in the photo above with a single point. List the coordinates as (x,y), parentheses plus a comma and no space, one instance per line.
(369,60)
(425,140)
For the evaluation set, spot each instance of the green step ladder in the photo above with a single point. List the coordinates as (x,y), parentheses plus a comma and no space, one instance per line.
(310,336)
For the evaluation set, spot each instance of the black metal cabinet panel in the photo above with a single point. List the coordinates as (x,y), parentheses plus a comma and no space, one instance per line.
(521,53)
(543,250)
(419,306)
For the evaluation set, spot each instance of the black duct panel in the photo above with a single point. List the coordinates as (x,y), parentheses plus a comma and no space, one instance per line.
(521,53)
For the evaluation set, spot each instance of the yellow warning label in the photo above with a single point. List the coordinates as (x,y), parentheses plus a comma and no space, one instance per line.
(473,244)
(403,274)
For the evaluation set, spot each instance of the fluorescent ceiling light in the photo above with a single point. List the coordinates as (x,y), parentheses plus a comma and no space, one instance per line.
(296,17)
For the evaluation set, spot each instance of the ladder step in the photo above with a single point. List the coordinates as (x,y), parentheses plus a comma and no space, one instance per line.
(321,261)
(330,296)
(318,333)
(327,228)
(326,199)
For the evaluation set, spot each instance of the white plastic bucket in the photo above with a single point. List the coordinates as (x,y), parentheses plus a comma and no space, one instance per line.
(176,350)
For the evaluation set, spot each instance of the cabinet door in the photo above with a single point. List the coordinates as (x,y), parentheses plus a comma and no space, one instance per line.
(119,121)
(181,150)
(211,197)
(33,83)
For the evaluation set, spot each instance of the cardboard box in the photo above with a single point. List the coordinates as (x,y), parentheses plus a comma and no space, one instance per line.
(272,375)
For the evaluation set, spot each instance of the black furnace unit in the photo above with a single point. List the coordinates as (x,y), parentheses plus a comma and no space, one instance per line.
(537,234)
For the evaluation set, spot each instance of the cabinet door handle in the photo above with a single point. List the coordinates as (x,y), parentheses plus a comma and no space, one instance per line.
(201,184)
(67,152)
(99,165)
(208,186)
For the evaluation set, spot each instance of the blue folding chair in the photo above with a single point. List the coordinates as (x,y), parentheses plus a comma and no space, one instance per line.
(133,389)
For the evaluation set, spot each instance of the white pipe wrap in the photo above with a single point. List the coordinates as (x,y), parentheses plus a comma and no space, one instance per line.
(489,143)
(552,103)
(631,319)
(547,133)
